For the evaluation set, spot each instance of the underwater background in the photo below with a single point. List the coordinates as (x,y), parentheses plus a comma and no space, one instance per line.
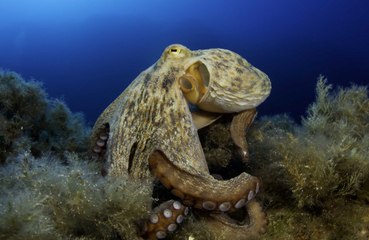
(63,62)
(87,52)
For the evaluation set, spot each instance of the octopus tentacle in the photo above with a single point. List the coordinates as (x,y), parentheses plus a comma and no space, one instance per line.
(99,140)
(164,219)
(98,144)
(241,122)
(204,191)
(202,119)
(230,229)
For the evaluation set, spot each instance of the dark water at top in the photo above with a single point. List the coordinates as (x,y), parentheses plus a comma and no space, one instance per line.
(88,51)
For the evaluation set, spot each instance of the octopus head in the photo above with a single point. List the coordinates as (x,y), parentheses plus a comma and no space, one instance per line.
(221,81)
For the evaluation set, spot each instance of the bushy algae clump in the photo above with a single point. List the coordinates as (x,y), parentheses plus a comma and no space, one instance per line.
(327,156)
(30,120)
(45,199)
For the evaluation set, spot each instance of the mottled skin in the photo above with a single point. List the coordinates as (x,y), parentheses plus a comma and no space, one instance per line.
(149,128)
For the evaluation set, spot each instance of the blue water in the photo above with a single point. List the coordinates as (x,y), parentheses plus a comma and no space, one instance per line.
(88,51)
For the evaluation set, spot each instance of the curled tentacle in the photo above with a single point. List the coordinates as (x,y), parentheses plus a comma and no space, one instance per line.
(239,126)
(204,191)
(164,219)
(229,228)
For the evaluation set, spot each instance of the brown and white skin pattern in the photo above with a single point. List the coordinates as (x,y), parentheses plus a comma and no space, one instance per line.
(150,130)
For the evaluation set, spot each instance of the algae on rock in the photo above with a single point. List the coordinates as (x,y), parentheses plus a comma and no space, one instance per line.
(327,156)
(43,199)
(30,120)
(319,169)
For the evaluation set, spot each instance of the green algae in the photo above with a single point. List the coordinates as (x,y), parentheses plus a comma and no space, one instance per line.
(326,156)
(217,143)
(30,120)
(43,199)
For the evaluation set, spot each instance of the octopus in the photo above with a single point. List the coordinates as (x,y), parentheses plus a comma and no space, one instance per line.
(151,129)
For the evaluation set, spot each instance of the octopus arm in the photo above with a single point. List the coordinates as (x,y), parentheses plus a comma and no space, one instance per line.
(241,122)
(223,225)
(202,119)
(202,191)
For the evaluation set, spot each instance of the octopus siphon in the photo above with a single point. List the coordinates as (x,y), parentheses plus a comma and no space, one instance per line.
(151,129)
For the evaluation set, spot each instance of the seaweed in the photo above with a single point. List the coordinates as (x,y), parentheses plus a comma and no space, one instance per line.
(217,143)
(43,199)
(317,170)
(30,120)
(326,156)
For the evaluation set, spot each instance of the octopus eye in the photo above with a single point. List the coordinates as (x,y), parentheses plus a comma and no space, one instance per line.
(174,51)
